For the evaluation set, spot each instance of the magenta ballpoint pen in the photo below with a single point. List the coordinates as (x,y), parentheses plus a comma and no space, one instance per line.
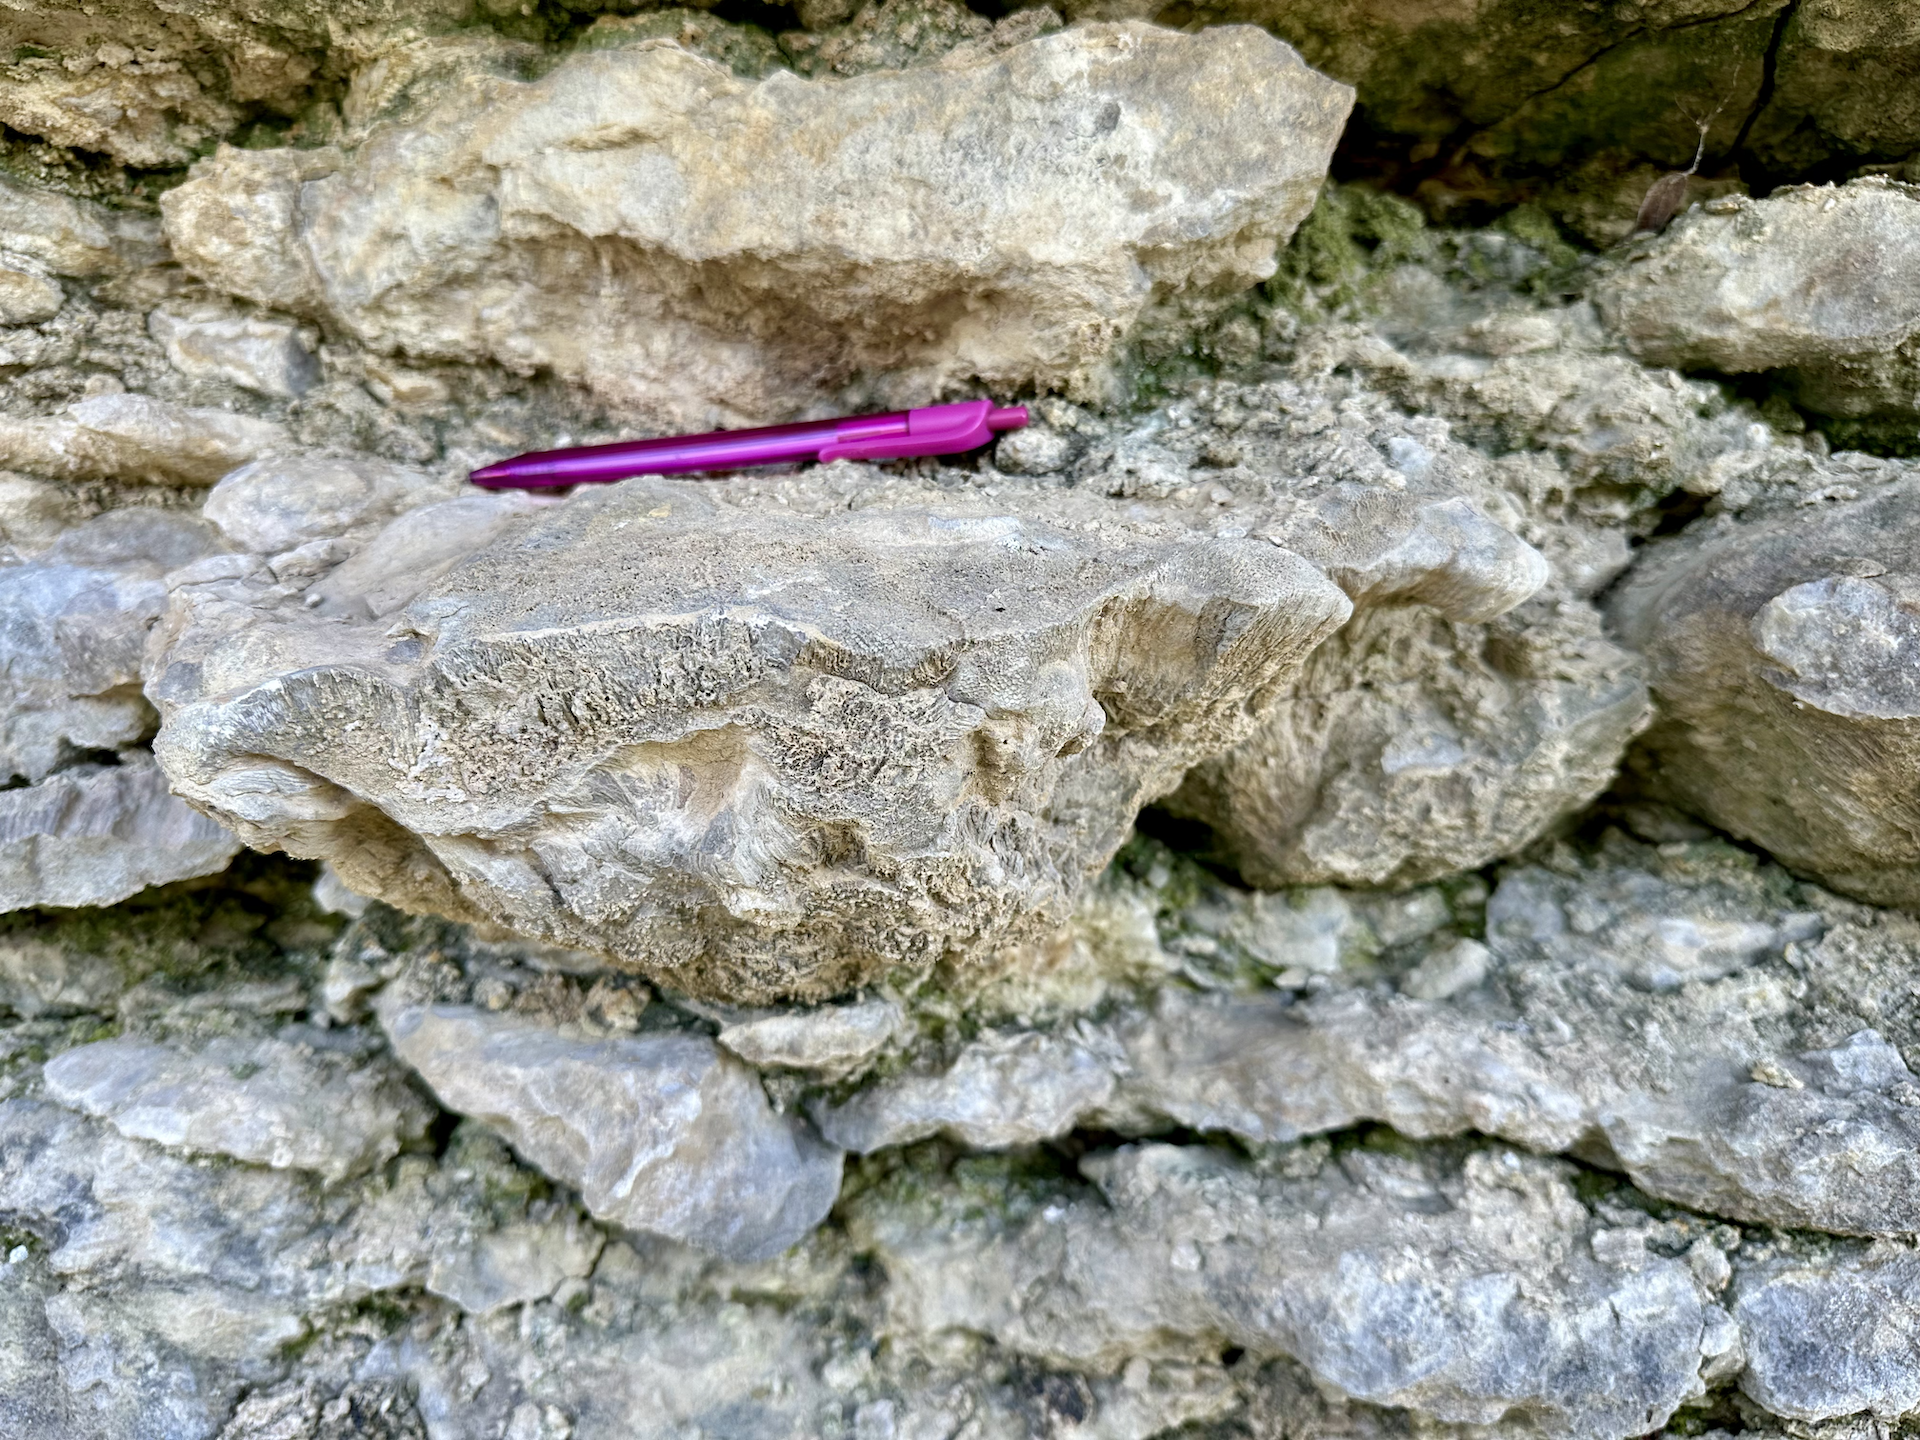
(933,430)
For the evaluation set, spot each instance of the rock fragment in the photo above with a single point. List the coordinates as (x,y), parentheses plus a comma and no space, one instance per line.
(94,834)
(74,237)
(660,1133)
(283,1101)
(833,1041)
(998,683)
(1830,1333)
(865,221)
(1781,654)
(256,352)
(137,438)
(1464,1291)
(1413,747)
(1001,1090)
(1817,282)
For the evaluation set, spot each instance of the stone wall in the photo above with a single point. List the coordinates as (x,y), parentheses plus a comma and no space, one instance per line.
(1356,877)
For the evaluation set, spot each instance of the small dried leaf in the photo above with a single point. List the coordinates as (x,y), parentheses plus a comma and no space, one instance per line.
(1664,199)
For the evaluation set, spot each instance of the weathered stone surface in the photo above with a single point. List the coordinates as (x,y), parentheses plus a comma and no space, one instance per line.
(1780,654)
(661,1133)
(253,351)
(287,1101)
(1818,282)
(1540,1037)
(930,226)
(1000,1091)
(1469,1291)
(833,1041)
(1412,747)
(94,834)
(74,237)
(1830,1332)
(880,722)
(137,438)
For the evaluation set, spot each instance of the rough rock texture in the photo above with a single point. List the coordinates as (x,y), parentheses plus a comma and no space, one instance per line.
(1348,1268)
(73,628)
(1779,649)
(805,905)
(1820,283)
(660,1133)
(1003,222)
(934,716)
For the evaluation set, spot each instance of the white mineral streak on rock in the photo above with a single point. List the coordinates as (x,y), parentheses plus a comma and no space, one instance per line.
(606,727)
(1001,1090)
(1783,653)
(284,1101)
(833,1041)
(1467,1294)
(257,352)
(1820,282)
(137,438)
(690,244)
(1833,1331)
(660,1133)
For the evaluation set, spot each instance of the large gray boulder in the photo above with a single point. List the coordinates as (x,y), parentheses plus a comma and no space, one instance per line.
(692,245)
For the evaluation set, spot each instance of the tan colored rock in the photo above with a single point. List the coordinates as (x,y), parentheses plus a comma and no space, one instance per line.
(74,237)
(211,342)
(1782,651)
(693,246)
(1821,283)
(1412,747)
(766,739)
(137,438)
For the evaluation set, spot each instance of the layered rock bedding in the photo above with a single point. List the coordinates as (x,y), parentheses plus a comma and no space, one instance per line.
(1355,877)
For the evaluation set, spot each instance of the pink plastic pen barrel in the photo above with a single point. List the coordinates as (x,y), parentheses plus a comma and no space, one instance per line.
(932,430)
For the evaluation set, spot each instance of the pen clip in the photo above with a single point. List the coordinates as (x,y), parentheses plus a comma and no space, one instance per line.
(932,430)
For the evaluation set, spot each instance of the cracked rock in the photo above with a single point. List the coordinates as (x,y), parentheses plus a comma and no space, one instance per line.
(600,207)
(1466,1290)
(1779,649)
(661,1133)
(766,742)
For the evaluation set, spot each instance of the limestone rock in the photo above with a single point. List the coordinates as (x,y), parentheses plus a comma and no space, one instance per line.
(283,1101)
(1412,748)
(795,736)
(74,237)
(1820,283)
(256,352)
(94,834)
(1779,650)
(942,225)
(833,1041)
(1001,1090)
(1799,1313)
(1463,1292)
(137,438)
(27,294)
(660,1133)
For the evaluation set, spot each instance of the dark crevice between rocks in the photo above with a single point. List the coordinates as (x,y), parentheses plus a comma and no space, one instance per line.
(1769,76)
